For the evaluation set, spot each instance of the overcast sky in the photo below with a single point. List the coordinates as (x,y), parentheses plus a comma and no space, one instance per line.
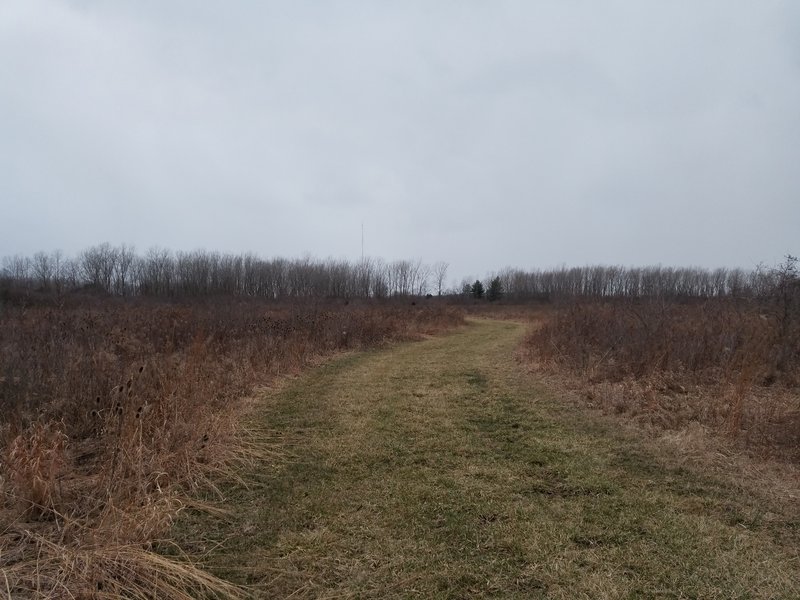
(482,133)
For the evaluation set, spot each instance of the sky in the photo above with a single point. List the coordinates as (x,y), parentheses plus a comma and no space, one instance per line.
(527,133)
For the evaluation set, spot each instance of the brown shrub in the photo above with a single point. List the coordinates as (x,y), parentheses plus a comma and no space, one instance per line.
(731,366)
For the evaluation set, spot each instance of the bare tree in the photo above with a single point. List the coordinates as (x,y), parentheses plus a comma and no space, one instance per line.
(125,257)
(155,272)
(57,261)
(380,280)
(17,268)
(440,275)
(42,269)
(400,283)
(421,276)
(70,273)
(97,265)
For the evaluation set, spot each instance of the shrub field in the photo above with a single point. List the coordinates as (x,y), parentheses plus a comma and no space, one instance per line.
(727,365)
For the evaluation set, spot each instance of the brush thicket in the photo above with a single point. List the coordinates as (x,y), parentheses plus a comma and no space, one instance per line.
(729,365)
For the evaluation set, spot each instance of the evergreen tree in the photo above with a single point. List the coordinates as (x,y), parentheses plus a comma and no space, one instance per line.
(477,289)
(495,291)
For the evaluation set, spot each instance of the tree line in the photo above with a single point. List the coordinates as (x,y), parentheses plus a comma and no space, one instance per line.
(159,272)
(120,270)
(601,281)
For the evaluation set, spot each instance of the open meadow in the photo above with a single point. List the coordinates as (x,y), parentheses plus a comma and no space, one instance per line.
(397,300)
(563,436)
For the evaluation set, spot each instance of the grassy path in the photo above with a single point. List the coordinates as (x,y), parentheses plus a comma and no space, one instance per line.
(437,469)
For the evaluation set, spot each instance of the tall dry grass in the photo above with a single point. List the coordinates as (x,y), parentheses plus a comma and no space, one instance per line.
(730,366)
(113,412)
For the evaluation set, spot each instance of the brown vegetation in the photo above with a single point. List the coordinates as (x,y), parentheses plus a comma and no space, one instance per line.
(113,410)
(727,364)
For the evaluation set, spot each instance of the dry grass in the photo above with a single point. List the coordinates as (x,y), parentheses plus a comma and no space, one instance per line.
(108,570)
(441,470)
(529,313)
(114,414)
(729,367)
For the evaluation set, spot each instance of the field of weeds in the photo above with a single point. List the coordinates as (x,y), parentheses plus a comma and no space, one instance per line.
(728,366)
(114,411)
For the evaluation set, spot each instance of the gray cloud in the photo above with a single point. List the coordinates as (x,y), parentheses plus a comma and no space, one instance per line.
(483,134)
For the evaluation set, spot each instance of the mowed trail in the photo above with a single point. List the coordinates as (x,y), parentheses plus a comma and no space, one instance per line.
(439,469)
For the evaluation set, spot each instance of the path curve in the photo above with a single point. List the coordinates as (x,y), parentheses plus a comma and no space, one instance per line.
(440,469)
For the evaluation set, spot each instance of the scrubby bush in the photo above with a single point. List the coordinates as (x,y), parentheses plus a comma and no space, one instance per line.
(732,365)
